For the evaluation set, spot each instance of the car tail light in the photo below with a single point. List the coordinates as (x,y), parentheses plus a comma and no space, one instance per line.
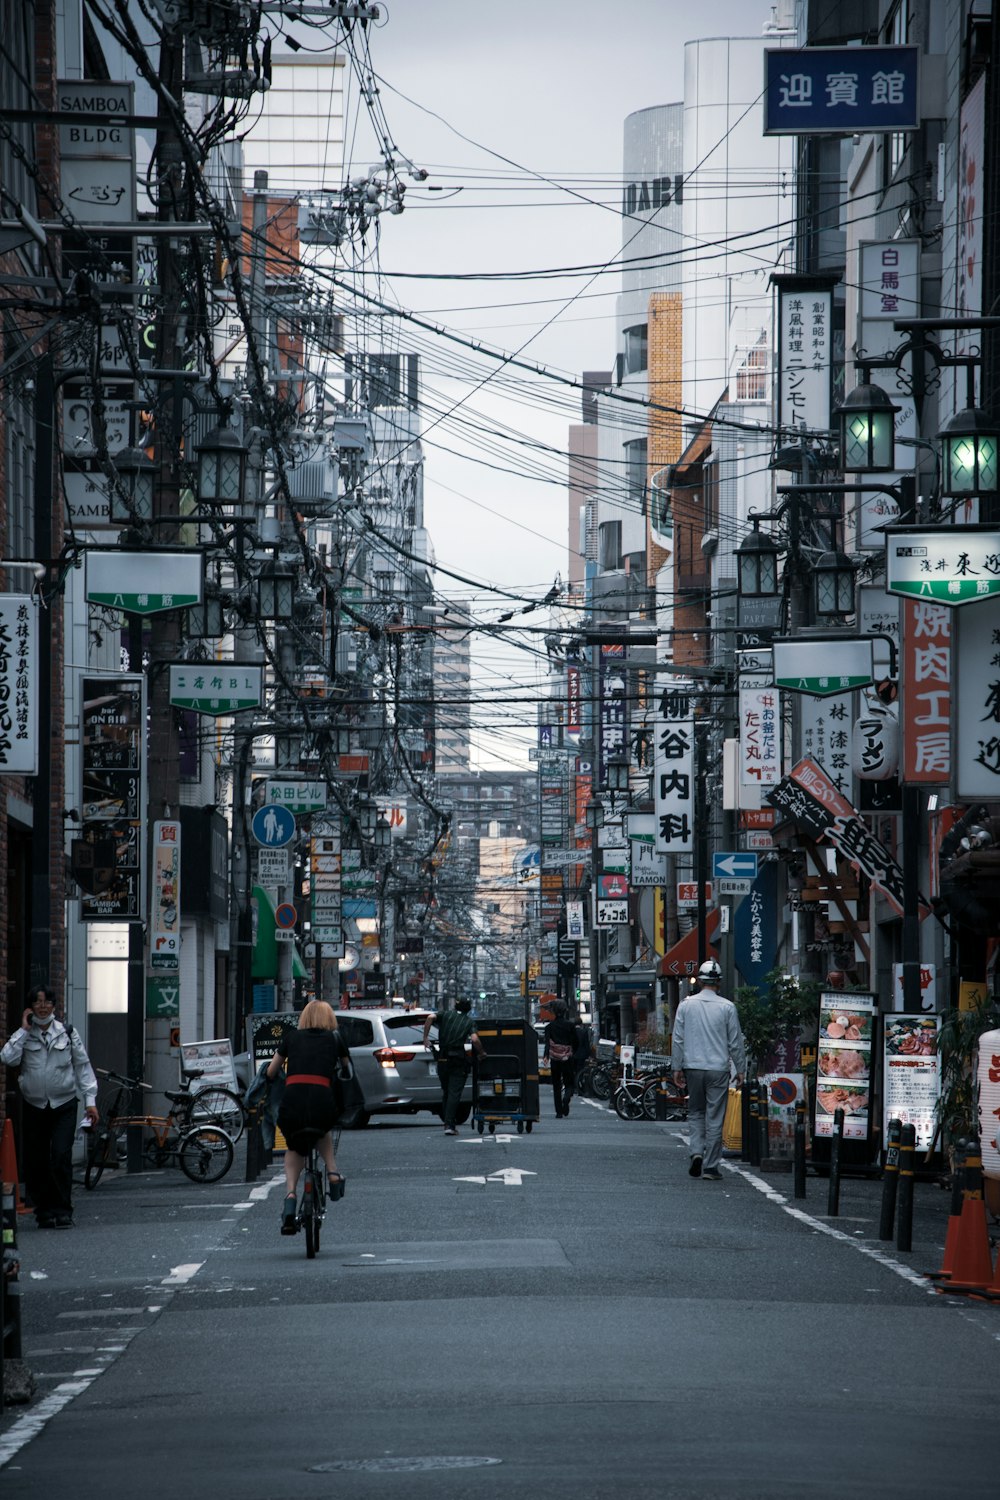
(388,1057)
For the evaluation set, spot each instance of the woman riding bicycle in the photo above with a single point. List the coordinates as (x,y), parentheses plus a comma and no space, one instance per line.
(317,1058)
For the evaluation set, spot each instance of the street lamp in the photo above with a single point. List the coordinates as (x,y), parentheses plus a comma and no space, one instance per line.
(593,815)
(833,580)
(969,442)
(288,748)
(383,833)
(867,430)
(207,621)
(757,562)
(221,467)
(132,498)
(618,774)
(275,591)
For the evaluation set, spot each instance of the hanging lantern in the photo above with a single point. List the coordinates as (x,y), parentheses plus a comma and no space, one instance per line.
(875,747)
(969,454)
(867,431)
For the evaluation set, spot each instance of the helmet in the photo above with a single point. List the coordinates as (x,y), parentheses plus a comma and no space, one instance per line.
(710,972)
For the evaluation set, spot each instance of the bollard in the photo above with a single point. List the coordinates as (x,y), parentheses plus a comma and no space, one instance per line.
(800,1149)
(907,1147)
(754,1127)
(763,1121)
(745,1146)
(890,1181)
(661,1099)
(833,1196)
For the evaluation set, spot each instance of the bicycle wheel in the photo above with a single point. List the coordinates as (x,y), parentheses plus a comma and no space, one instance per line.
(311,1212)
(628,1101)
(219,1106)
(601,1083)
(205,1154)
(585,1080)
(674,1096)
(105,1146)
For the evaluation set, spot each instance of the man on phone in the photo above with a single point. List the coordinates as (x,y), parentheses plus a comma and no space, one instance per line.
(55,1075)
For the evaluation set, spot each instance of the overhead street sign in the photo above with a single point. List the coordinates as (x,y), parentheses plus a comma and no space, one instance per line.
(735,866)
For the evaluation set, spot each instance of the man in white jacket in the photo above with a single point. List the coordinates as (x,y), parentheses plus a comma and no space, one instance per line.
(55,1075)
(706,1039)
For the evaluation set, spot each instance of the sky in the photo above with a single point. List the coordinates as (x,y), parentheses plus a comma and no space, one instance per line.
(516,112)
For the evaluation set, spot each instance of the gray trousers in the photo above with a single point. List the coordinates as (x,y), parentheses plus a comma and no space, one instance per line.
(708,1094)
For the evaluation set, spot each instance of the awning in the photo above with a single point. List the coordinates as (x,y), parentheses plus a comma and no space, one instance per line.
(682,958)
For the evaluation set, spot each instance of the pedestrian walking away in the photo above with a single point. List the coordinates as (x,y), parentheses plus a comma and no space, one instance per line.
(55,1076)
(455,1028)
(562,1041)
(317,1059)
(707,1042)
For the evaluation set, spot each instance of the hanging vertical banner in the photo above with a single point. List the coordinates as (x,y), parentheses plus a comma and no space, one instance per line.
(107,857)
(760,736)
(926,674)
(165,915)
(805,336)
(976,748)
(18,685)
(575,930)
(613,707)
(825,728)
(574,716)
(674,773)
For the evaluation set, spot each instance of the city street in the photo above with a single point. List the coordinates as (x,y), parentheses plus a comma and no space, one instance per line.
(561,1314)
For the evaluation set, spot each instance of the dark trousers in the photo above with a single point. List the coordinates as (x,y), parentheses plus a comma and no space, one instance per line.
(452,1073)
(563,1083)
(48,1157)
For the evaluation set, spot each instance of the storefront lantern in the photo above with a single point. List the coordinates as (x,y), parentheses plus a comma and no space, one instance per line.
(875,747)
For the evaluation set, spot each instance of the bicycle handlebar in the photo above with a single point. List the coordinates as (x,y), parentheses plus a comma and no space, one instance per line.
(129,1083)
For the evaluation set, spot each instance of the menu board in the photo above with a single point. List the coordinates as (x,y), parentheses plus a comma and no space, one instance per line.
(844,1064)
(912,1074)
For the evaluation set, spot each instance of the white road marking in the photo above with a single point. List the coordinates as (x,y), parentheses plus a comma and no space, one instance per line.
(509,1176)
(31,1424)
(180,1274)
(480,1180)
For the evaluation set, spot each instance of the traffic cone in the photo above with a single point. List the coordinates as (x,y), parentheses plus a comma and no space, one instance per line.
(8,1164)
(972,1263)
(954,1217)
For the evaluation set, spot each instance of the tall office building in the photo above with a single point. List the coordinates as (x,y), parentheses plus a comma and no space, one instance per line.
(452,689)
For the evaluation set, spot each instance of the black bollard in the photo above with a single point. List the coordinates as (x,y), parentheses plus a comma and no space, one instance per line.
(745,1122)
(890,1181)
(661,1099)
(907,1147)
(800,1149)
(833,1196)
(763,1121)
(754,1127)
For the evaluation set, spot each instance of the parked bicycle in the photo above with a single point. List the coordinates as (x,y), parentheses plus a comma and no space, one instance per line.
(635,1097)
(204,1152)
(597,1079)
(212,1105)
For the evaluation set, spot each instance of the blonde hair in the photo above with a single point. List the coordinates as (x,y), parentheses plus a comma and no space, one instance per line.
(318,1014)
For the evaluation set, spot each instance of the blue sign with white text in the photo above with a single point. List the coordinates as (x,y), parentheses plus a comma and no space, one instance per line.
(755,928)
(840,90)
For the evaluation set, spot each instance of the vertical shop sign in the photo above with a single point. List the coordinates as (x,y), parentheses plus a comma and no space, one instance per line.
(825,728)
(165,915)
(760,736)
(574,717)
(927,716)
(674,773)
(804,355)
(112,798)
(976,749)
(911,1075)
(844,1064)
(18,685)
(614,707)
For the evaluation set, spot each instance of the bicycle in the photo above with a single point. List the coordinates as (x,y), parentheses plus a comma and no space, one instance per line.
(204,1153)
(596,1079)
(213,1105)
(635,1098)
(313,1191)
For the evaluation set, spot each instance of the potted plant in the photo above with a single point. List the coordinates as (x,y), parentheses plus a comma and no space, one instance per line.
(959,1038)
(773,1013)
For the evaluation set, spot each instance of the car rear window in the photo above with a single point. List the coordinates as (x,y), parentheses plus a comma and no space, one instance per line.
(404,1031)
(356,1030)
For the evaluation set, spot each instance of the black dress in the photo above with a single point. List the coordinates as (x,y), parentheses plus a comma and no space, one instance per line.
(312,1102)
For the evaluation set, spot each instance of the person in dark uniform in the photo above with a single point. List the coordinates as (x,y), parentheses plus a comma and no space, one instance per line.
(455,1028)
(317,1058)
(561,1043)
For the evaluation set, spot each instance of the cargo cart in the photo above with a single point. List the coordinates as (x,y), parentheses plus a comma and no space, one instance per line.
(505,1081)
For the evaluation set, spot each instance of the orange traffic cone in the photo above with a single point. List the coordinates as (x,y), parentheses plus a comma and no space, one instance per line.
(8,1164)
(954,1216)
(972,1263)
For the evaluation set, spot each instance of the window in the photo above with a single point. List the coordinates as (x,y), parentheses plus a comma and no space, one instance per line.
(897,33)
(355,1031)
(609,543)
(636,349)
(635,472)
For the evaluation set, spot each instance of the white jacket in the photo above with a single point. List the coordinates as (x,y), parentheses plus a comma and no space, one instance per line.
(54,1070)
(707,1034)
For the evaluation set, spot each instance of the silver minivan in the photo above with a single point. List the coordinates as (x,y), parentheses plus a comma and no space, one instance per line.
(397,1073)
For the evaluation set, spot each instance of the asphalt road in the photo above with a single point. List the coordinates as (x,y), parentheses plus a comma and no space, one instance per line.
(565,1314)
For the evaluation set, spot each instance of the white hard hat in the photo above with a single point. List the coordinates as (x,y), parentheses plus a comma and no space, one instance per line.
(710,972)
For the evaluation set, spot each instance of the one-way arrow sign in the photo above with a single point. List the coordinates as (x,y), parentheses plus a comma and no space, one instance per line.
(509,1176)
(736,866)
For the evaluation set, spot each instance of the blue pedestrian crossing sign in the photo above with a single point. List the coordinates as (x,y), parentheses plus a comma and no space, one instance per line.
(273,826)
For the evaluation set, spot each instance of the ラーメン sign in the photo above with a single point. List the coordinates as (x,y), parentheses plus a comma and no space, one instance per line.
(947,565)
